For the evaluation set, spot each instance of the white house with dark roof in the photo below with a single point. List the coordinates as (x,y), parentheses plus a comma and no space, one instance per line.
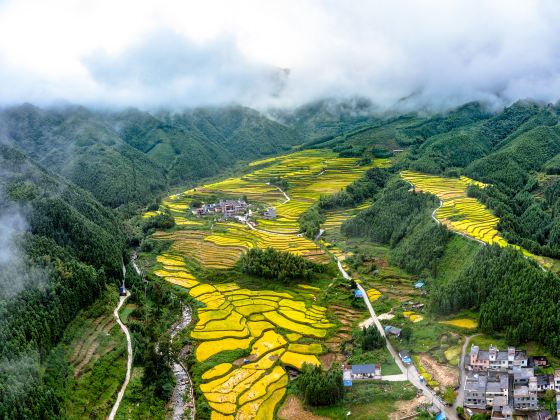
(495,359)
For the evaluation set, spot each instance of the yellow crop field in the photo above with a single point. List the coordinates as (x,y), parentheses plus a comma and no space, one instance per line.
(414,317)
(313,348)
(297,360)
(216,371)
(264,324)
(233,318)
(462,214)
(373,294)
(469,324)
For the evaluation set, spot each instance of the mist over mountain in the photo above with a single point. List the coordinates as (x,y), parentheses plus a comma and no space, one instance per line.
(399,55)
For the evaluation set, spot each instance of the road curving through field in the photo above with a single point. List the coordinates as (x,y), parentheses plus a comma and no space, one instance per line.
(409,373)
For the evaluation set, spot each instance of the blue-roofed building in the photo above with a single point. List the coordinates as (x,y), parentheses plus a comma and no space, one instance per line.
(358,293)
(441,416)
(419,284)
(389,329)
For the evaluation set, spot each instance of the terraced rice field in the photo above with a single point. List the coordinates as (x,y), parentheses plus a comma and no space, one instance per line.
(273,329)
(309,174)
(463,214)
(459,212)
(241,319)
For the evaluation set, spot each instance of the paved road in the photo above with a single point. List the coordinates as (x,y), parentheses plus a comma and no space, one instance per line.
(461,393)
(408,372)
(128,362)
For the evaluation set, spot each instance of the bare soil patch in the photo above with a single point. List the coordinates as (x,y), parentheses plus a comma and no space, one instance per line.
(445,375)
(293,410)
(407,408)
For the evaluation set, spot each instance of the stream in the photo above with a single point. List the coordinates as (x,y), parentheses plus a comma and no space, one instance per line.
(184,383)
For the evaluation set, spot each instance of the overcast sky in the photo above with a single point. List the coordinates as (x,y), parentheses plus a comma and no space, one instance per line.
(278,53)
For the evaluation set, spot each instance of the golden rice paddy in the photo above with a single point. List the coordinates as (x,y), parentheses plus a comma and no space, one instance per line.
(232,319)
(469,324)
(462,214)
(264,326)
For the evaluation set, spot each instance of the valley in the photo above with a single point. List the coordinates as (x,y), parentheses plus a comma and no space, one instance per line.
(248,335)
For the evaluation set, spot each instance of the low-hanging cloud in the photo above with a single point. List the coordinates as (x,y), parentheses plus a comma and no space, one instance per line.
(143,53)
(16,272)
(165,69)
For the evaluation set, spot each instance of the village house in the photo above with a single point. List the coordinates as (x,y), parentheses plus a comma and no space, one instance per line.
(475,391)
(360,372)
(557,380)
(525,397)
(482,390)
(270,213)
(545,383)
(494,359)
(539,361)
(501,409)
(228,208)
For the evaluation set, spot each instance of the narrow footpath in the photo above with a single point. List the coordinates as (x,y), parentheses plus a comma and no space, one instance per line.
(128,362)
(409,372)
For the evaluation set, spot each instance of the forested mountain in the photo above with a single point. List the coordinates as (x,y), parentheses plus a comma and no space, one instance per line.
(59,247)
(131,156)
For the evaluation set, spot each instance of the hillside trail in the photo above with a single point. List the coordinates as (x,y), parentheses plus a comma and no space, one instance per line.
(282,191)
(129,360)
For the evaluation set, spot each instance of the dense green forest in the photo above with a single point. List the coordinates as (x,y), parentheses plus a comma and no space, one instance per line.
(66,242)
(280,266)
(56,260)
(131,157)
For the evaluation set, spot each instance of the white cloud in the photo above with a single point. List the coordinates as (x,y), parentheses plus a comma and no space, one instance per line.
(151,53)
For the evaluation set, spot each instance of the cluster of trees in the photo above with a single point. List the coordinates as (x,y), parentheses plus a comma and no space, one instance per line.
(280,266)
(310,222)
(513,294)
(320,388)
(369,338)
(357,192)
(164,220)
(280,183)
(402,221)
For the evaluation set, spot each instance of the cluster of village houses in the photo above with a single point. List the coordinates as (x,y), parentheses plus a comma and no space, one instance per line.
(505,381)
(231,209)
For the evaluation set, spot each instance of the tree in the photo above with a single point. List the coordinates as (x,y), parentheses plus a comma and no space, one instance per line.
(318,387)
(369,338)
(406,334)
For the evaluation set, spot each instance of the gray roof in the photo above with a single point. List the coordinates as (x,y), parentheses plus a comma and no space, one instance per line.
(362,369)
(523,373)
(475,382)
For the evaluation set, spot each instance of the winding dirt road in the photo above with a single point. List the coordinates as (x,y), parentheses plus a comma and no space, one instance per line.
(128,362)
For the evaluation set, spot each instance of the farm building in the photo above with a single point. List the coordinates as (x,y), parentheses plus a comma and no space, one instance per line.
(362,372)
(389,329)
(270,213)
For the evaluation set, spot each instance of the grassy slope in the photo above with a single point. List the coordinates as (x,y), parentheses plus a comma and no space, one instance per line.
(93,392)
